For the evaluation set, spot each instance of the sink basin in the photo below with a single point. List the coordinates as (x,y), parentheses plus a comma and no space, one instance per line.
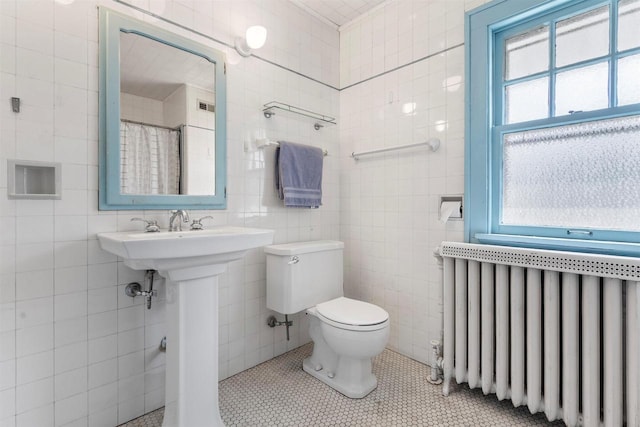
(179,249)
(191,262)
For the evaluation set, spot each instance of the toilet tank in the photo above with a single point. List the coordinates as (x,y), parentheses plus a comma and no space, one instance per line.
(303,274)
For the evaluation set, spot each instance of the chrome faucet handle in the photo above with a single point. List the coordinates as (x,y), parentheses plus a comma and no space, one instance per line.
(197,224)
(151,224)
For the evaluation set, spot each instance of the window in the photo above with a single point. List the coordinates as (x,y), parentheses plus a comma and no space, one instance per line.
(553,124)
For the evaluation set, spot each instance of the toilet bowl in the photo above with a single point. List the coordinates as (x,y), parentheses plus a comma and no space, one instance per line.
(346,335)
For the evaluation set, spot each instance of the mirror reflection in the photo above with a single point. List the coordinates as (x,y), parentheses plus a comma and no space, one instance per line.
(167,119)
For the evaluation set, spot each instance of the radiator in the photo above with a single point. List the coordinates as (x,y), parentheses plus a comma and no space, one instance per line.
(556,331)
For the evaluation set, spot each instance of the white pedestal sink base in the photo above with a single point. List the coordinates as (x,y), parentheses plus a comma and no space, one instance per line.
(191,389)
(191,262)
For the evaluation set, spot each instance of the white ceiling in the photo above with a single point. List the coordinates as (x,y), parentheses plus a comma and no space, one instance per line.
(155,70)
(338,12)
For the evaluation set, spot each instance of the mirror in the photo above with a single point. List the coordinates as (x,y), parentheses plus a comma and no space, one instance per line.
(162,119)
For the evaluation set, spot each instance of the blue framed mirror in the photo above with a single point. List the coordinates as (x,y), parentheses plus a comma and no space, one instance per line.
(162,119)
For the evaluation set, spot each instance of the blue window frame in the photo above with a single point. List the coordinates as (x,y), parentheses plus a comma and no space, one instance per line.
(495,89)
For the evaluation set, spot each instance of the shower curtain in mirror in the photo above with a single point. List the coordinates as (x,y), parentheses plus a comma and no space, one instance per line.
(149,159)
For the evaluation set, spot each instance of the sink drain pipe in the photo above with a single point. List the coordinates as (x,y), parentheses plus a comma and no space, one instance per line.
(134,289)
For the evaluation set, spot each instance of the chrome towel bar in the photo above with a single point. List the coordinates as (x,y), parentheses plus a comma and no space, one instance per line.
(434,143)
(264,142)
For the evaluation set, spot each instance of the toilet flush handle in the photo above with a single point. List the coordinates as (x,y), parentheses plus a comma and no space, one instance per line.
(294,260)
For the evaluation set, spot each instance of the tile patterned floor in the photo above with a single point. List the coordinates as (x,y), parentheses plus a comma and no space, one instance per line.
(279,393)
(152,419)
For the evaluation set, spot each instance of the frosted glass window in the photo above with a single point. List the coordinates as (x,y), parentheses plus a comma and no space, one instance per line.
(582,89)
(628,24)
(527,101)
(628,81)
(582,37)
(575,176)
(527,53)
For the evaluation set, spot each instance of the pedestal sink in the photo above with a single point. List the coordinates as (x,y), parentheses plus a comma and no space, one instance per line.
(191,262)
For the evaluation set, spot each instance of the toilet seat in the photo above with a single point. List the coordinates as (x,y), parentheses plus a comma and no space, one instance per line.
(346,313)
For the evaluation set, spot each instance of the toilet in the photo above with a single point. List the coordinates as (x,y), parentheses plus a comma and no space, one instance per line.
(346,333)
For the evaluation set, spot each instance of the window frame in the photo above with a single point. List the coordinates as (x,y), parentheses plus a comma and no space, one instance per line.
(485,31)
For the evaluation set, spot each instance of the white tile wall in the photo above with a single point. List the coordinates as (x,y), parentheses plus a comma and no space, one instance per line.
(74,349)
(389,202)
(69,335)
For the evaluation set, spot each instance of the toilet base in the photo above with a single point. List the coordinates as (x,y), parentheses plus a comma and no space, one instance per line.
(353,391)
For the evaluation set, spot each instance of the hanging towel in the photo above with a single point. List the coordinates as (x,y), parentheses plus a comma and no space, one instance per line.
(299,174)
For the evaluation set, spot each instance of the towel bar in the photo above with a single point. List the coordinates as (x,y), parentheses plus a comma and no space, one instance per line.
(434,143)
(261,143)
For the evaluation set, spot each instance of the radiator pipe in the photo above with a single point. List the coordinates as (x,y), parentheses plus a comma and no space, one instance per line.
(436,368)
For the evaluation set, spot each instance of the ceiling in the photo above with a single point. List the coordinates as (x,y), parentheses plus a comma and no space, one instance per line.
(338,12)
(155,70)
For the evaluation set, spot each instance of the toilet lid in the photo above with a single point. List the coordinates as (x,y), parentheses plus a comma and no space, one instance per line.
(352,312)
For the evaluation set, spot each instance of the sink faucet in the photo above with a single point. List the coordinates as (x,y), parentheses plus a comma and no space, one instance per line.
(184,216)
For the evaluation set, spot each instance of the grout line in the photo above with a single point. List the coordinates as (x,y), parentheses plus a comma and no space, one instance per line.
(295,72)
(415,61)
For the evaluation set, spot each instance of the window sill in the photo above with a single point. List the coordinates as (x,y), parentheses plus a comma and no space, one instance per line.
(572,245)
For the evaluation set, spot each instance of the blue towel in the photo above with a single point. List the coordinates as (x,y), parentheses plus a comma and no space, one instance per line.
(299,175)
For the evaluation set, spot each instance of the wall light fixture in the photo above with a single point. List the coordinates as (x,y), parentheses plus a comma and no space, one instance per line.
(255,38)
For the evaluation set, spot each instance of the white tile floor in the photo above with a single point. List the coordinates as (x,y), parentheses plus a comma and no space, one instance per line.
(280,393)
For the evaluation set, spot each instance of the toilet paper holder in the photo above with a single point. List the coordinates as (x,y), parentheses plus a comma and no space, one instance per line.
(450,208)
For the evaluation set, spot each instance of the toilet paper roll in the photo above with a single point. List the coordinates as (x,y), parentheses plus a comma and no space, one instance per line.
(450,210)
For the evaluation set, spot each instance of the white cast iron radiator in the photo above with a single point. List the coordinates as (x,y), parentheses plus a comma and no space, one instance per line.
(556,331)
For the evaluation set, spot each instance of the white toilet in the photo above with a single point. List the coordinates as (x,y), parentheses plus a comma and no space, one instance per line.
(346,333)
